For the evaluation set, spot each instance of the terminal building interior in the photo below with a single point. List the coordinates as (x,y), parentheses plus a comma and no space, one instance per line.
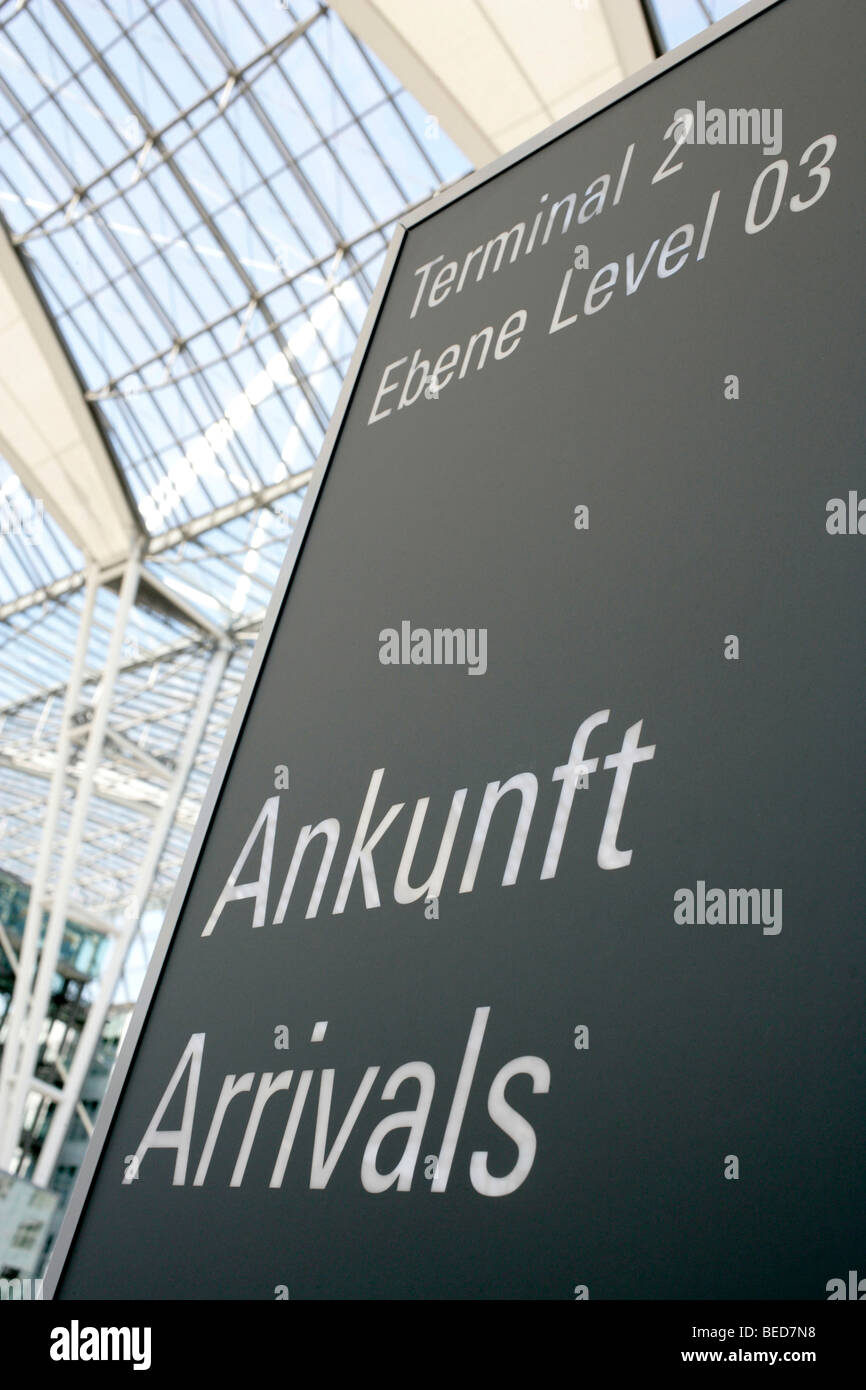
(196,199)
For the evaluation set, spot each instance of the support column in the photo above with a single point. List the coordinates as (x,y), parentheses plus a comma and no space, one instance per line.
(95,1022)
(57,919)
(30,938)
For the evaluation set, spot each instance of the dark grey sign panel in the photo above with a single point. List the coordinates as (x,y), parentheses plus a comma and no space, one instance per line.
(523,952)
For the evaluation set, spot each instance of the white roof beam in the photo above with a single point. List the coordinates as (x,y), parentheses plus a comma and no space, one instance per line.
(48,432)
(495,72)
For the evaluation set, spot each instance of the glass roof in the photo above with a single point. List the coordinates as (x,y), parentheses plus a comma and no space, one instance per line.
(204,193)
